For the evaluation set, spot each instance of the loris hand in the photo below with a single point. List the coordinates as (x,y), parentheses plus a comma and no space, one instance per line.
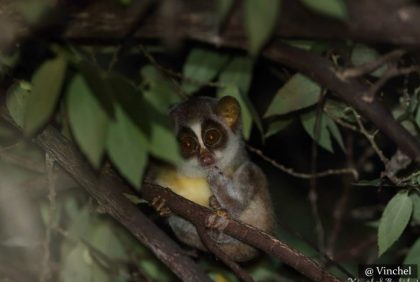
(217,180)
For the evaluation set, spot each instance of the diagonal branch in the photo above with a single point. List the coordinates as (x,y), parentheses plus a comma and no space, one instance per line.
(108,190)
(350,91)
(388,21)
(198,215)
(211,245)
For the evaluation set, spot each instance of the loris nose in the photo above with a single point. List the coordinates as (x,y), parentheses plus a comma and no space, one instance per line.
(206,158)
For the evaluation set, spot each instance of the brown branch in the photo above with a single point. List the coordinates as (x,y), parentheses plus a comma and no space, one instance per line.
(394,22)
(313,193)
(372,65)
(214,249)
(371,138)
(21,161)
(340,206)
(368,21)
(290,171)
(108,190)
(198,215)
(350,91)
(391,72)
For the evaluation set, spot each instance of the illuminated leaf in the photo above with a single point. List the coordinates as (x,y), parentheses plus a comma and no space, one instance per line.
(46,86)
(200,68)
(88,120)
(323,137)
(394,220)
(260,21)
(333,8)
(127,148)
(299,92)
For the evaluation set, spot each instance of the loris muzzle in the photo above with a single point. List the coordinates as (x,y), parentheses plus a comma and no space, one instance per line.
(216,171)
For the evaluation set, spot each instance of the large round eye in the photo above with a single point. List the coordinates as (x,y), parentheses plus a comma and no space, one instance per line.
(212,137)
(188,145)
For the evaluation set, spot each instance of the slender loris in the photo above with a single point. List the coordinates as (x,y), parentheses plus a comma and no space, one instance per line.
(216,172)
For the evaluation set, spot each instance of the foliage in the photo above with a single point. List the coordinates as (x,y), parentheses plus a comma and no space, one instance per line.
(113,102)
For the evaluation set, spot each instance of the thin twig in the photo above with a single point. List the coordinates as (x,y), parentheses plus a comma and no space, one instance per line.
(391,72)
(10,147)
(371,138)
(303,175)
(372,65)
(22,161)
(213,248)
(313,194)
(166,73)
(341,205)
(46,270)
(342,122)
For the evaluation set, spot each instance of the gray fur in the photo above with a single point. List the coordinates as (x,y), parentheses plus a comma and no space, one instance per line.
(239,186)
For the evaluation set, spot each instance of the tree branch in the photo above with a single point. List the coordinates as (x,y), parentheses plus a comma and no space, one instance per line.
(108,190)
(350,91)
(384,21)
(248,234)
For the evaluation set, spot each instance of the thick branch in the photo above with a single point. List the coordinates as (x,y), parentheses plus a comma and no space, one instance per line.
(383,21)
(350,91)
(198,215)
(392,21)
(108,190)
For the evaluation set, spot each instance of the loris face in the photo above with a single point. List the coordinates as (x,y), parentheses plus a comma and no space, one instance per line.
(208,132)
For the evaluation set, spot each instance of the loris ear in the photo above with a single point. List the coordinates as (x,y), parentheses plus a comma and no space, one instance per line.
(229,110)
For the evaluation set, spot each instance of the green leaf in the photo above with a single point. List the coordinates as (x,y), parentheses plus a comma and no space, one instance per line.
(339,110)
(335,132)
(239,73)
(362,54)
(222,9)
(74,266)
(127,148)
(9,60)
(323,138)
(88,120)
(394,220)
(163,143)
(200,68)
(16,100)
(96,78)
(105,240)
(260,21)
(277,126)
(130,99)
(332,8)
(418,116)
(298,93)
(46,86)
(413,256)
(245,107)
(35,11)
(158,91)
(415,198)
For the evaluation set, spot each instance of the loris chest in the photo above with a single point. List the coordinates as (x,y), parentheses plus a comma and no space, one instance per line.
(195,189)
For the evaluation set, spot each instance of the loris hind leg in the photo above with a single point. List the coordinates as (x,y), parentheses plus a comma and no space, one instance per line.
(186,232)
